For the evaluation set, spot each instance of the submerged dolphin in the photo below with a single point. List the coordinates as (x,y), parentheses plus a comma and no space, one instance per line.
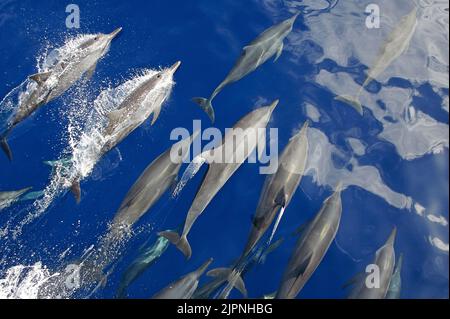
(385,261)
(395,286)
(395,46)
(141,263)
(10,197)
(49,85)
(311,247)
(266,45)
(276,194)
(223,162)
(156,179)
(184,287)
(152,184)
(280,187)
(131,113)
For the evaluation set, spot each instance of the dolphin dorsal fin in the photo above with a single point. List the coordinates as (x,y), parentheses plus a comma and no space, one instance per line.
(280,200)
(40,78)
(300,270)
(90,72)
(155,115)
(279,51)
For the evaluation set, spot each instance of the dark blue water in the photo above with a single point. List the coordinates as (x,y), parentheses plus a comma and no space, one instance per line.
(327,54)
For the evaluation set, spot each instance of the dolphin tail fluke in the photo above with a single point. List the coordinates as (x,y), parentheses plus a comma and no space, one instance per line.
(180,242)
(5,148)
(352,101)
(233,277)
(206,106)
(76,190)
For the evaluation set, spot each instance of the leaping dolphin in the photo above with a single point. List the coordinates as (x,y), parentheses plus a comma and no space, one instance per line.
(385,261)
(266,45)
(223,163)
(184,287)
(311,247)
(131,113)
(50,84)
(395,46)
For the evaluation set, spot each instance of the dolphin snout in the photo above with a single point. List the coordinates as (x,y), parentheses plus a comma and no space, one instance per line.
(392,236)
(115,32)
(274,104)
(175,66)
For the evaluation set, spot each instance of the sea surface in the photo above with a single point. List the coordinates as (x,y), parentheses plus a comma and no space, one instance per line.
(393,160)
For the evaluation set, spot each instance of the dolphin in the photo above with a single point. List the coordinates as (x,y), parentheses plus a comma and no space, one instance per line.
(396,44)
(130,114)
(50,84)
(184,287)
(385,261)
(152,184)
(223,162)
(277,192)
(280,187)
(395,286)
(154,181)
(10,197)
(311,247)
(266,45)
(147,258)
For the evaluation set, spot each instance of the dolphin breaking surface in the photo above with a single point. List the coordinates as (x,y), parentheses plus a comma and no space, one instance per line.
(86,138)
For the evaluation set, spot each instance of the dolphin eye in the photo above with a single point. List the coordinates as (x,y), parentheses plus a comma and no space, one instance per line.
(158,76)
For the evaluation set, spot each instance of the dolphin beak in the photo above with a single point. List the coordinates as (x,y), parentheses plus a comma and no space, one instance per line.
(203,267)
(113,34)
(274,105)
(392,236)
(174,67)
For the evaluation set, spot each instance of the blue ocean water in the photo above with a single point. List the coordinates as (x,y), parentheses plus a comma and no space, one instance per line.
(394,157)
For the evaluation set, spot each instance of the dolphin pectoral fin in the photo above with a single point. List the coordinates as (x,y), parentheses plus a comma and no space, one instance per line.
(272,247)
(230,276)
(352,280)
(206,106)
(180,242)
(76,190)
(6,149)
(300,229)
(279,51)
(300,270)
(280,200)
(155,115)
(257,221)
(352,101)
(40,78)
(90,72)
